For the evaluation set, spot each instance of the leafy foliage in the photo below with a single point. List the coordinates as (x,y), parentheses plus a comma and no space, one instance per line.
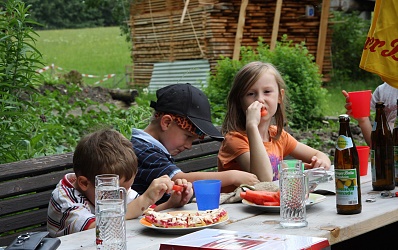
(18,62)
(58,14)
(57,121)
(305,93)
(34,124)
(349,36)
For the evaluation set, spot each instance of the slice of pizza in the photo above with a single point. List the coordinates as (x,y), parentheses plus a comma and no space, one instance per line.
(213,216)
(165,220)
(184,219)
(195,221)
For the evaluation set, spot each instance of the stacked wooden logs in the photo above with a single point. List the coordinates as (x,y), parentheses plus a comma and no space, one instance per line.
(209,27)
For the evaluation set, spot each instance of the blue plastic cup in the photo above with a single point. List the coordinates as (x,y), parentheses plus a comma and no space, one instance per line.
(207,193)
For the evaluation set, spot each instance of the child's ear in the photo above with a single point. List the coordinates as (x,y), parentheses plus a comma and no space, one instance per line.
(282,95)
(165,122)
(83,183)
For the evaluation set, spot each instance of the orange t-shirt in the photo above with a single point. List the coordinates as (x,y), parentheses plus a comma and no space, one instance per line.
(236,143)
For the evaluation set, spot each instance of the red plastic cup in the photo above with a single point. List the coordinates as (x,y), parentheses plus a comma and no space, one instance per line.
(360,103)
(363,154)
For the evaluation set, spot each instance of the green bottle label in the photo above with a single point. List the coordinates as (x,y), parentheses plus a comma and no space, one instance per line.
(344,142)
(346,186)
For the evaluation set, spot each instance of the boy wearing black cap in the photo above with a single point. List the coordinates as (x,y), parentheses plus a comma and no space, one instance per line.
(182,114)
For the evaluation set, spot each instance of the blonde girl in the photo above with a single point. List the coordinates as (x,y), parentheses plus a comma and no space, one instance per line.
(255,140)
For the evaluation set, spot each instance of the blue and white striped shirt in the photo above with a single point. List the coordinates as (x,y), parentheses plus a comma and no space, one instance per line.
(154,161)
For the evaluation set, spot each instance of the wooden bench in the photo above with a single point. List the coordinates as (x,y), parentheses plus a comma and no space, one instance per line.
(26,186)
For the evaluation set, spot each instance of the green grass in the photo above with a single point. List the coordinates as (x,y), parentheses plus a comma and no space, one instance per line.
(102,51)
(95,51)
(336,100)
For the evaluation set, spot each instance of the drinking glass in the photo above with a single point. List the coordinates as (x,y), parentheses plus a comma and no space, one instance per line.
(110,225)
(107,187)
(291,163)
(293,187)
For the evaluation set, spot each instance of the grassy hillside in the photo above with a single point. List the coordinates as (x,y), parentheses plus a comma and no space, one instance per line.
(102,51)
(335,98)
(95,51)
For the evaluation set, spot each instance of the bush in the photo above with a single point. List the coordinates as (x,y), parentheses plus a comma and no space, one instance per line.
(18,62)
(305,93)
(349,35)
(33,124)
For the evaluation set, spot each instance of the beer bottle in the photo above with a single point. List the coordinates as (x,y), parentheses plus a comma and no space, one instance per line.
(346,170)
(382,152)
(395,143)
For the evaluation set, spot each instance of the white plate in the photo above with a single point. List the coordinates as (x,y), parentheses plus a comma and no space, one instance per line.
(179,230)
(312,200)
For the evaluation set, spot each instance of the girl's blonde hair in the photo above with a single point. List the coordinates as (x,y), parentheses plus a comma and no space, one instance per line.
(235,119)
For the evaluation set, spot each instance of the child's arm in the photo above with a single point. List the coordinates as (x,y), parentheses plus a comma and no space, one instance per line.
(257,160)
(311,157)
(154,192)
(366,128)
(178,198)
(229,177)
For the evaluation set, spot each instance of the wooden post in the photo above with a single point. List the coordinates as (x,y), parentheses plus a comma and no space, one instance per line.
(184,11)
(275,28)
(239,29)
(323,29)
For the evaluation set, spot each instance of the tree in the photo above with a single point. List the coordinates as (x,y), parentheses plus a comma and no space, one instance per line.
(58,14)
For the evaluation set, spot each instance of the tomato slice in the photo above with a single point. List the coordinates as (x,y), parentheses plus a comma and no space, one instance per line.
(264,112)
(178,188)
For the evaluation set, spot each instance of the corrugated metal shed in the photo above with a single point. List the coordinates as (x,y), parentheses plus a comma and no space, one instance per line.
(194,72)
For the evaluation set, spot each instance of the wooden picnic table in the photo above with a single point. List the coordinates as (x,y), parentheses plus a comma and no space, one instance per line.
(323,221)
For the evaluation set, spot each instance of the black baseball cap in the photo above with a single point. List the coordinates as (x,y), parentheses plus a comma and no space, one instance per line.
(188,101)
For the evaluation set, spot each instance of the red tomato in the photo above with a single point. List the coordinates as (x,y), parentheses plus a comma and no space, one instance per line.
(264,112)
(177,188)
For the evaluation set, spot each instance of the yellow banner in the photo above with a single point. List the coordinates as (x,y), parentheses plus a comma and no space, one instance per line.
(380,53)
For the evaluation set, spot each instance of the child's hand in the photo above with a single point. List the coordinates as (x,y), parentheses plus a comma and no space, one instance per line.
(316,163)
(254,112)
(158,188)
(347,102)
(349,109)
(180,198)
(242,177)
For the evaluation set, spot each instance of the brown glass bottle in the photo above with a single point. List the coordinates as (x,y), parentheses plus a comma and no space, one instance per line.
(346,170)
(382,152)
(395,143)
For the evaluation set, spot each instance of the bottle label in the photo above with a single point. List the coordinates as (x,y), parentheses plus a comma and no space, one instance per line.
(373,165)
(374,126)
(396,161)
(344,142)
(346,186)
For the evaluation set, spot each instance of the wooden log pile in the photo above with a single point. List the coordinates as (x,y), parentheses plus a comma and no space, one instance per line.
(209,27)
